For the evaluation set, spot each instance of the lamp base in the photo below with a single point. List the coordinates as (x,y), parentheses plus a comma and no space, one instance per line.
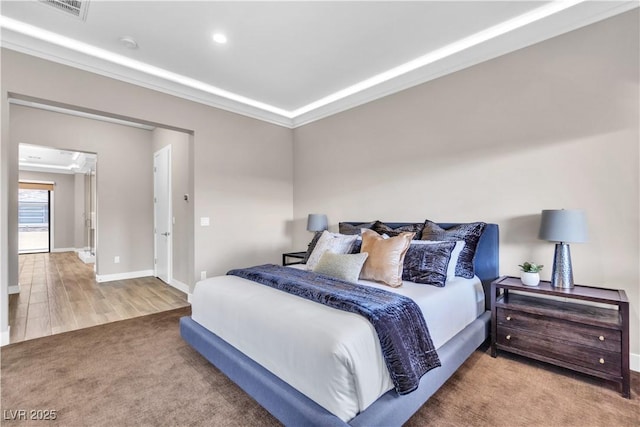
(562,275)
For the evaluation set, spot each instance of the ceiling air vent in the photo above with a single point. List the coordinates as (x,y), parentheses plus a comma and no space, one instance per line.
(77,8)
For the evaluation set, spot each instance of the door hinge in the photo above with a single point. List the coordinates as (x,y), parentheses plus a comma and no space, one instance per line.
(155,200)
(155,169)
(155,260)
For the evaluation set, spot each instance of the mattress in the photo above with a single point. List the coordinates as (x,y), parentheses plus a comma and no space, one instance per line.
(332,357)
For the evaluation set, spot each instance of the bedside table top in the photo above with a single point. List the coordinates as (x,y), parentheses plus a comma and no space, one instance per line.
(295,254)
(587,293)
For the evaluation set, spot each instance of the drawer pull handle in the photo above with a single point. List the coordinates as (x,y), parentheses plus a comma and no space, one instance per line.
(601,338)
(509,337)
(508,317)
(601,361)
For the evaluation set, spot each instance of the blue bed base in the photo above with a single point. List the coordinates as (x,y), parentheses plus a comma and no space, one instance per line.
(292,408)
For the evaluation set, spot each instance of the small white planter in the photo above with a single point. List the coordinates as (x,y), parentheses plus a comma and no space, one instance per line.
(530,279)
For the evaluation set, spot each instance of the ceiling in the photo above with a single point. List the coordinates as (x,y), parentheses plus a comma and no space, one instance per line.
(36,158)
(288,63)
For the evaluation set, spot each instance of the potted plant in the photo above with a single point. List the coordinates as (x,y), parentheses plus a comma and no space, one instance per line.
(530,273)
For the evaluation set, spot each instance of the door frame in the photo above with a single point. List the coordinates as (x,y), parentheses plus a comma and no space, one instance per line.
(170,216)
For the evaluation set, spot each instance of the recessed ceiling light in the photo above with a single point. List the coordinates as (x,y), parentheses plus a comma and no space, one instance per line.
(219,38)
(129,42)
(103,54)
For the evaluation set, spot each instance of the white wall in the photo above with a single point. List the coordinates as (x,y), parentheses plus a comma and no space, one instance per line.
(555,125)
(63,206)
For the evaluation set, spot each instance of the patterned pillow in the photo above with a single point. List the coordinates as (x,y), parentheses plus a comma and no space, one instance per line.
(312,245)
(386,257)
(470,233)
(428,263)
(342,266)
(382,228)
(455,254)
(345,228)
(333,242)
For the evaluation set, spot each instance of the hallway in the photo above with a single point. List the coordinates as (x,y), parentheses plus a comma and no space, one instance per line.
(58,293)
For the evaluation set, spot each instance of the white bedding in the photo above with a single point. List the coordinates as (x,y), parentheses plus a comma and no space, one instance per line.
(332,357)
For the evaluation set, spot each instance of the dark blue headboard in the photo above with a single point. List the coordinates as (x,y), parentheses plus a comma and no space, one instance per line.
(486,262)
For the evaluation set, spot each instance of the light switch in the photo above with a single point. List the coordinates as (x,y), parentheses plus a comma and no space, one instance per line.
(204,221)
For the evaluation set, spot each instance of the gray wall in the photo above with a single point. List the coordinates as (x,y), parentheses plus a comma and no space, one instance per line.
(182,210)
(63,206)
(241,169)
(551,126)
(124,181)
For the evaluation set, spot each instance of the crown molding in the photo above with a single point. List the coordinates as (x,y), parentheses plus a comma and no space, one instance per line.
(576,16)
(55,53)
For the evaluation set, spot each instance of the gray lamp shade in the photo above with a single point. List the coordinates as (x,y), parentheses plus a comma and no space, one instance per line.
(563,225)
(317,222)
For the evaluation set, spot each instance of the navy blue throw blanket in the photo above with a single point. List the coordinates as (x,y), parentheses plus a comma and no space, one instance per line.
(406,344)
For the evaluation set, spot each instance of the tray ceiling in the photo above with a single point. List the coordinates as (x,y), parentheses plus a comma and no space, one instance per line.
(288,62)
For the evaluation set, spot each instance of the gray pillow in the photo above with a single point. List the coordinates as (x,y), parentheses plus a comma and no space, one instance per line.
(382,228)
(342,266)
(345,228)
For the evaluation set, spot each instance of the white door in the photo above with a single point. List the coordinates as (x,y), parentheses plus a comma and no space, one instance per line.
(162,213)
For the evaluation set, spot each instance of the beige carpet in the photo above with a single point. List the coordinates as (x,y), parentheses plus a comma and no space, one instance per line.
(139,372)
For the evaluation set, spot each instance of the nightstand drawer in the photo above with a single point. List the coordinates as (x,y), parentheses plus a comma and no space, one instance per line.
(533,344)
(562,330)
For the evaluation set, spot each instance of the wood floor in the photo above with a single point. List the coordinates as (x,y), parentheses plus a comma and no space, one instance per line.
(58,293)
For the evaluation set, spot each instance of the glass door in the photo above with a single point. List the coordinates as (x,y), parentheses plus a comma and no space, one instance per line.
(33,220)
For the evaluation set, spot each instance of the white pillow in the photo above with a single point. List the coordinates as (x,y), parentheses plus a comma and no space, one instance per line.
(455,253)
(336,243)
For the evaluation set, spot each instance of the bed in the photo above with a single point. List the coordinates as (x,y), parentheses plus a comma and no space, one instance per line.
(293,407)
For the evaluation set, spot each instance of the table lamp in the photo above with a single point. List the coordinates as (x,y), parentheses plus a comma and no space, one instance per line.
(563,226)
(317,222)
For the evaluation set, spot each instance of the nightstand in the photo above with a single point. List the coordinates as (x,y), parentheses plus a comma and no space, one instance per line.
(588,338)
(299,256)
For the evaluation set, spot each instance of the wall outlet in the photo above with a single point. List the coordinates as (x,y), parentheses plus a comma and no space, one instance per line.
(204,221)
(203,275)
(116,260)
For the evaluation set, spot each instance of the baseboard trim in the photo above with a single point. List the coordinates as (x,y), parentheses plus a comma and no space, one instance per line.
(14,289)
(189,297)
(4,336)
(101,278)
(63,250)
(180,286)
(634,362)
(86,257)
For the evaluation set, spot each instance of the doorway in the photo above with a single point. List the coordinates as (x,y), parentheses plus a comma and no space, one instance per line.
(34,232)
(56,200)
